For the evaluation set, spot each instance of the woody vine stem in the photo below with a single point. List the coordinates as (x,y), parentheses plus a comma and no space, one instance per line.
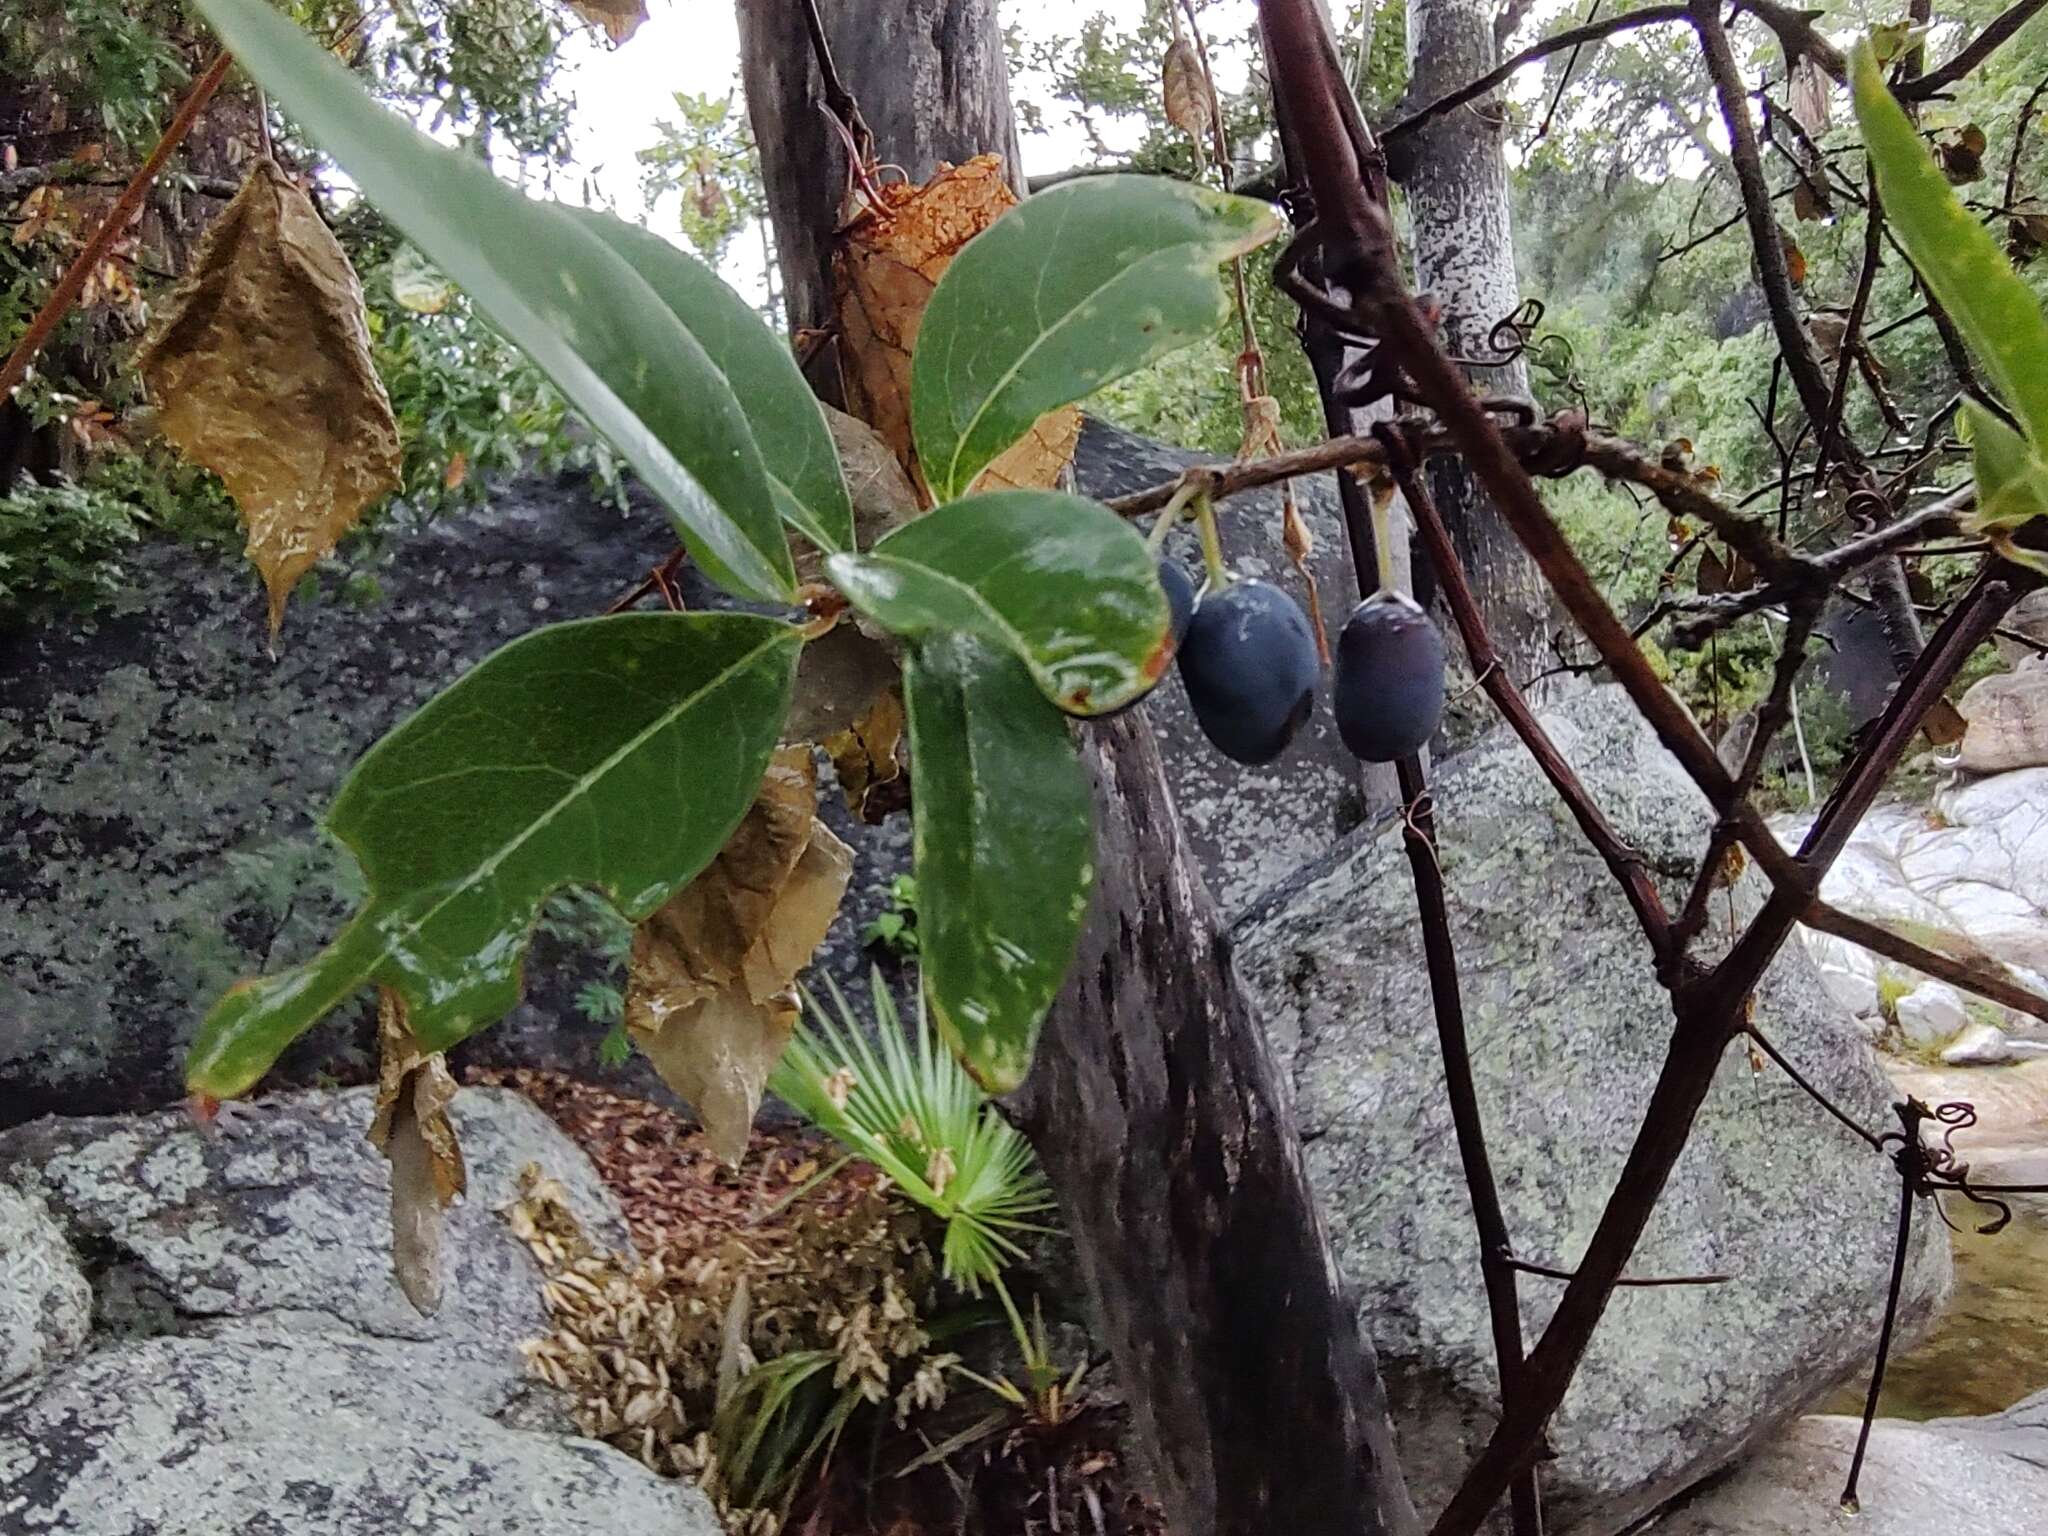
(1343,270)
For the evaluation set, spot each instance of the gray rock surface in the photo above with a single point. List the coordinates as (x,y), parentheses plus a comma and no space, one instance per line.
(45,1302)
(254,1366)
(1986,1477)
(2008,719)
(284,1215)
(162,777)
(1568,1028)
(1967,873)
(1932,1014)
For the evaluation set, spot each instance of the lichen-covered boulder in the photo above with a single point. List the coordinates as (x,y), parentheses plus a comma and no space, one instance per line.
(1568,1028)
(45,1303)
(1986,1476)
(162,776)
(255,1367)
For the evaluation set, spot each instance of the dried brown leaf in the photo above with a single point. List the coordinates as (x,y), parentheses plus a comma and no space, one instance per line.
(890,257)
(261,371)
(619,18)
(1943,725)
(868,757)
(710,996)
(1809,96)
(698,943)
(1713,573)
(412,1129)
(1036,461)
(1185,94)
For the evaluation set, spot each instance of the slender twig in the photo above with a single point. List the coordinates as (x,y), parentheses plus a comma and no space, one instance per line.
(1866,279)
(1564,80)
(1627,864)
(111,228)
(1867,1137)
(1644,1282)
(1982,976)
(1910,1161)
(1822,571)
(1571,37)
(1799,37)
(2019,139)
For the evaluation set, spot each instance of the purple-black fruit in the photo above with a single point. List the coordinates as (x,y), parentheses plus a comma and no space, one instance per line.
(1249,662)
(1388,688)
(1180,597)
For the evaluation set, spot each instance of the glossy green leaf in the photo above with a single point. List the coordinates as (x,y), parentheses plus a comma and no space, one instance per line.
(1062,582)
(555,290)
(1068,291)
(617,753)
(788,426)
(1956,256)
(1004,845)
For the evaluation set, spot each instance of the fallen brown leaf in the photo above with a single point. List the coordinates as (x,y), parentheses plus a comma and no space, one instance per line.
(868,757)
(260,370)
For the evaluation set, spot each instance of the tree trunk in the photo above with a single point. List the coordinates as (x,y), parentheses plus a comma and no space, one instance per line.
(1456,181)
(1156,1109)
(932,82)
(1155,1105)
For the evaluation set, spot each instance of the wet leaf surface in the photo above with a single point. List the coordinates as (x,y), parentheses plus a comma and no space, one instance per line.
(1004,843)
(1059,581)
(617,753)
(1062,295)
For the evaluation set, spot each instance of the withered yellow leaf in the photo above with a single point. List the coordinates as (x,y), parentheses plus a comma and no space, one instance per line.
(412,1129)
(890,257)
(711,996)
(260,370)
(619,18)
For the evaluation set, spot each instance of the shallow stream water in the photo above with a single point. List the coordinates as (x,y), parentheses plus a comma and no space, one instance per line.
(1989,1348)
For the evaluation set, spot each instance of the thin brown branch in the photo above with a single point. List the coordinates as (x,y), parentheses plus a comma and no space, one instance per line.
(111,228)
(1766,244)
(1641,1281)
(1571,37)
(1710,1008)
(65,173)
(1821,572)
(1630,870)
(1973,53)
(1799,37)
(1866,279)
(1981,976)
(1848,1121)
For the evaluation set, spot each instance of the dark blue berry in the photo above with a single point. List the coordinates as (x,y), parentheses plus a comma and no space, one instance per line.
(1180,597)
(1388,688)
(1249,662)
